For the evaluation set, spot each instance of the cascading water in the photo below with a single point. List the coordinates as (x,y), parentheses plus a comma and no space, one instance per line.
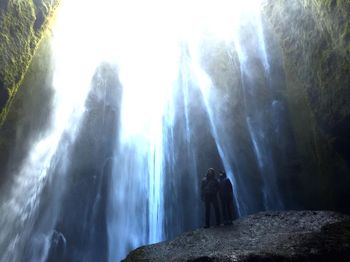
(71,83)
(139,131)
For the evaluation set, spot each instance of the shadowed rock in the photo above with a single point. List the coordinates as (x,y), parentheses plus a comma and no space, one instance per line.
(266,236)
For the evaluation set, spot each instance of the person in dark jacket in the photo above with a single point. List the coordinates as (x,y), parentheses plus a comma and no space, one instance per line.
(226,198)
(209,191)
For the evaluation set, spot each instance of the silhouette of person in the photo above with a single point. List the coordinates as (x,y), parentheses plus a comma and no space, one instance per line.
(209,191)
(226,198)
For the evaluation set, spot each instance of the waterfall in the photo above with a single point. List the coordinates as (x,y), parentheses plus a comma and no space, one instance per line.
(147,96)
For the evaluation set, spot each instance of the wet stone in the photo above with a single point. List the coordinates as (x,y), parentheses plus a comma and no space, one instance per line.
(266,236)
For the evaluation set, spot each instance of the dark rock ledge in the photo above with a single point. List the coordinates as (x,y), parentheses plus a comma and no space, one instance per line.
(266,236)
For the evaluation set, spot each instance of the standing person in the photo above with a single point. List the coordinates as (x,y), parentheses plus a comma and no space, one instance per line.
(226,198)
(209,191)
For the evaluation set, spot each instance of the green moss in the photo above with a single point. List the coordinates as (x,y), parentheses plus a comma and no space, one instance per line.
(20,33)
(315,39)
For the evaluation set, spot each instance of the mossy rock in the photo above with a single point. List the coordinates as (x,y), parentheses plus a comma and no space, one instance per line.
(22,24)
(314,37)
(29,116)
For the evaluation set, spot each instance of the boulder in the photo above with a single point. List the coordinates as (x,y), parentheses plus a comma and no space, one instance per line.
(266,236)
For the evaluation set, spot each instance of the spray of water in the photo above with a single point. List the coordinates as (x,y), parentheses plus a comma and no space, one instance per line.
(150,54)
(157,46)
(74,67)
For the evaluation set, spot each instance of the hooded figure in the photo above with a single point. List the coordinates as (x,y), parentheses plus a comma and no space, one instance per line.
(209,191)
(226,198)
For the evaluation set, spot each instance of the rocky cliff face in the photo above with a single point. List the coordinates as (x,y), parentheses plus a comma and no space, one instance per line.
(314,36)
(22,25)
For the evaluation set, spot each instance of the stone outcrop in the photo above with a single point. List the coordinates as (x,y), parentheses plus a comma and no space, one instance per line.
(22,25)
(267,236)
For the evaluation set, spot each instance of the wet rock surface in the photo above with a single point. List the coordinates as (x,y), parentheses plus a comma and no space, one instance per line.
(314,39)
(22,25)
(266,236)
